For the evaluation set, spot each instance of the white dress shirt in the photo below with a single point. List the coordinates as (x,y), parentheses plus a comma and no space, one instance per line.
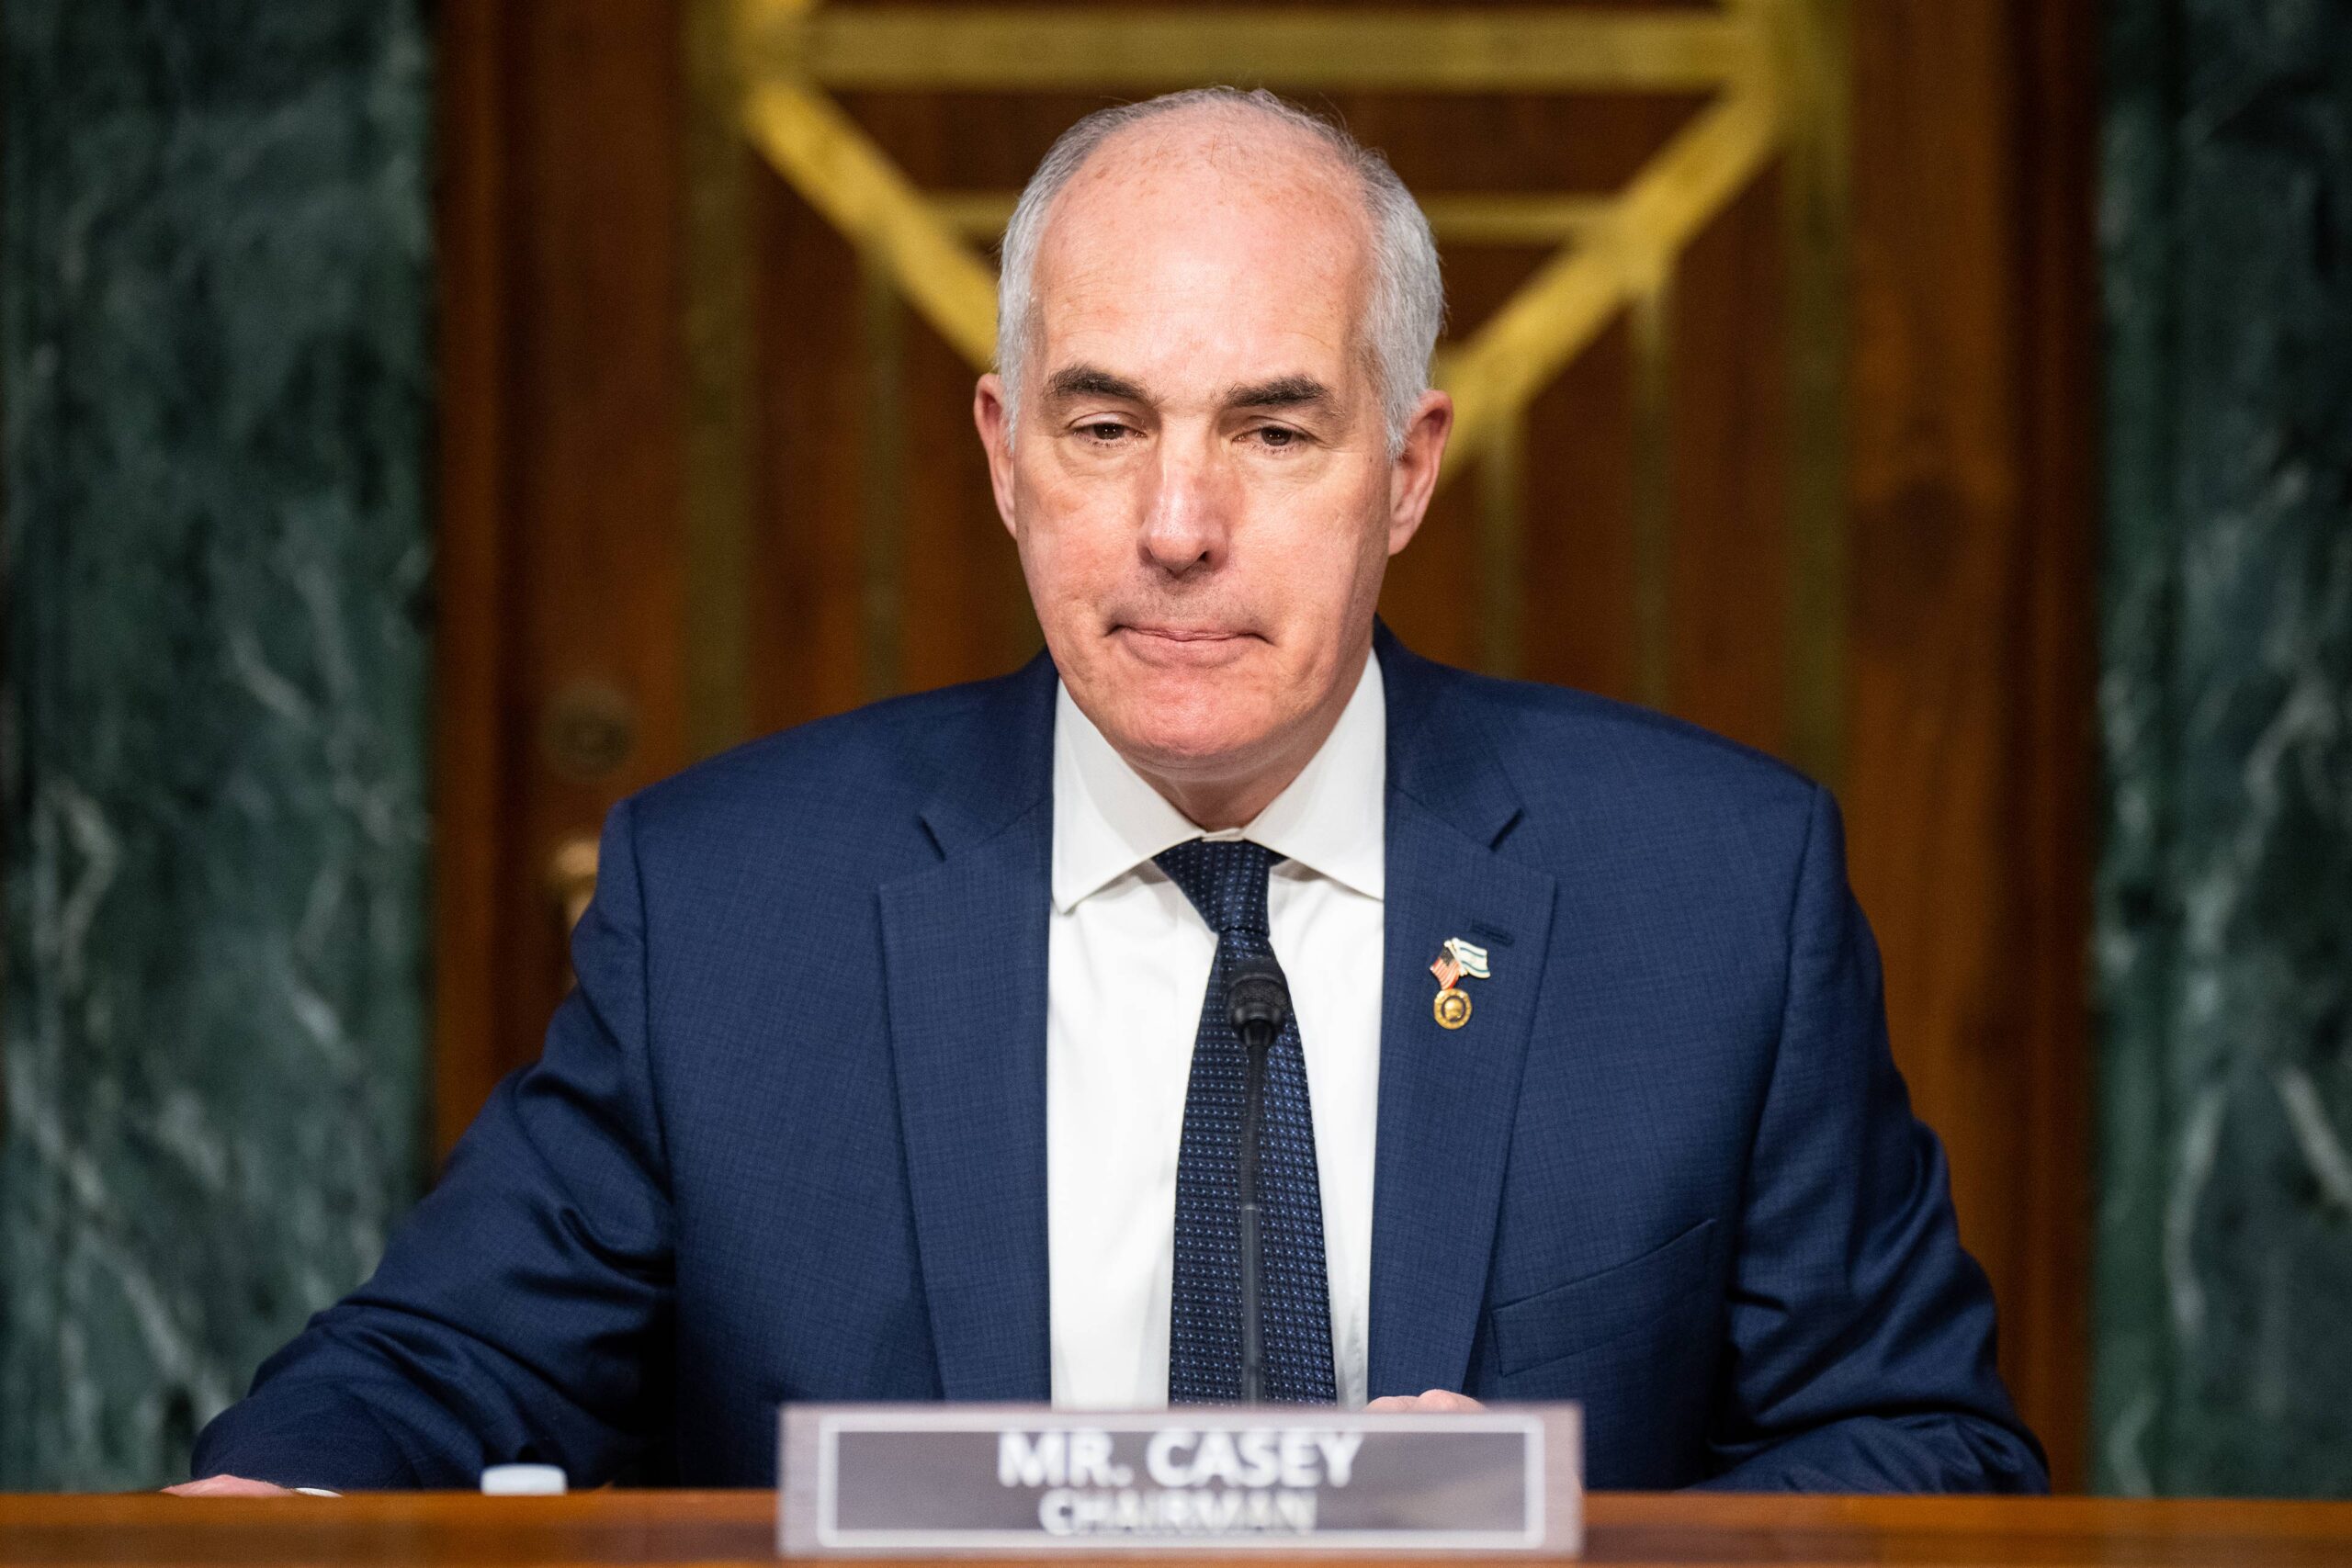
(1128,962)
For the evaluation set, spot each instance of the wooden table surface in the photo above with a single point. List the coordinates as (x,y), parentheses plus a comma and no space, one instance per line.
(1668,1531)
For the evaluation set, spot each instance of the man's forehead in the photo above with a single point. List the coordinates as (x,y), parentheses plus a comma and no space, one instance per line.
(1209,347)
(1194,179)
(1270,253)
(1216,251)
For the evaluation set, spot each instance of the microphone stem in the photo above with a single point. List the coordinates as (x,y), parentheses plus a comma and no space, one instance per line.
(1254,1342)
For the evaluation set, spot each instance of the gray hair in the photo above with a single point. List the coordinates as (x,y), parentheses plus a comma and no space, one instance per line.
(1407,303)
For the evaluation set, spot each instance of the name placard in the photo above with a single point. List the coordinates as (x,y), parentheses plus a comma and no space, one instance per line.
(861,1479)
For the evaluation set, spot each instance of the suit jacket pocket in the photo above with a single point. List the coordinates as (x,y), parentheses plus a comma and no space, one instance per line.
(1590,1312)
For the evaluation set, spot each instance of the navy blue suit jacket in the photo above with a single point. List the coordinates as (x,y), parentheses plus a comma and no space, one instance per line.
(787,1137)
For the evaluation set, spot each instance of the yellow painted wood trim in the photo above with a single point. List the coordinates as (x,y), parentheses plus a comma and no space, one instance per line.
(1009,49)
(1567,303)
(1540,219)
(862,193)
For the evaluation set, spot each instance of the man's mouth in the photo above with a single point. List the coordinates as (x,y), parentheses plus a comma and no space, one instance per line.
(1182,644)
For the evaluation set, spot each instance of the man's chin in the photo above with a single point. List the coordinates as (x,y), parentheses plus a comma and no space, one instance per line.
(1187,718)
(1173,741)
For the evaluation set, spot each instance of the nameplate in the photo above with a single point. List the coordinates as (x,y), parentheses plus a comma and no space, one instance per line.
(864,1479)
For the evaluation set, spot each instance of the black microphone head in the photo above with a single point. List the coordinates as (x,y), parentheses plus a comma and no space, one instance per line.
(1258,1002)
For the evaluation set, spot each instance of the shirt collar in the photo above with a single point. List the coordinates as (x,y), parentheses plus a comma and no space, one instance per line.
(1332,820)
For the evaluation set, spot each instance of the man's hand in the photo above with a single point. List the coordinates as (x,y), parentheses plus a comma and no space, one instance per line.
(228,1487)
(1430,1402)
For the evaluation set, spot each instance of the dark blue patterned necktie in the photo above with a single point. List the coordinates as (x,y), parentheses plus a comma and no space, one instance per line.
(1226,883)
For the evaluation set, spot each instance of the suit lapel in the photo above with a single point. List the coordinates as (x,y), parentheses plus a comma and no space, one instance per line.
(1447,1097)
(963,945)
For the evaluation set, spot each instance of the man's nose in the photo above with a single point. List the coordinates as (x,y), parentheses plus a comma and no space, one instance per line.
(1188,511)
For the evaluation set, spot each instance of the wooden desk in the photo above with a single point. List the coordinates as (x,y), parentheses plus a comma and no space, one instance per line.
(713,1527)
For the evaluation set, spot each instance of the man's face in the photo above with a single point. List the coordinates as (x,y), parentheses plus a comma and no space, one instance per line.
(1201,487)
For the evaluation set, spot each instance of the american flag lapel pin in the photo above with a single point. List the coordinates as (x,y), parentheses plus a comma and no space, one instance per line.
(1456,961)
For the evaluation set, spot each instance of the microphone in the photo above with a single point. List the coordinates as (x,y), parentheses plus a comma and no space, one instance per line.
(1258,1003)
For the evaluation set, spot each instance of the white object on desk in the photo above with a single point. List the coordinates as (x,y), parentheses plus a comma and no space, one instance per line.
(523,1481)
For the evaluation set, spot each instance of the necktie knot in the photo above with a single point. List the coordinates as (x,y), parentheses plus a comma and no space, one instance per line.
(1226,881)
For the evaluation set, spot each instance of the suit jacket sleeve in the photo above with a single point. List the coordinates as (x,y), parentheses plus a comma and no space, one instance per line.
(1861,1355)
(518,1315)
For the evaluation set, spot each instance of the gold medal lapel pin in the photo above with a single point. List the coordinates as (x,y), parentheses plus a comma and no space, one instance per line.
(1456,961)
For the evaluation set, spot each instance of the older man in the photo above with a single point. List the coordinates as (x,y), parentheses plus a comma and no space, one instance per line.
(900,1065)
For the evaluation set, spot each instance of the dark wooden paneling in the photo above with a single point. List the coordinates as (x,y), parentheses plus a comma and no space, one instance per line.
(1730,579)
(805,625)
(470,928)
(2054,137)
(1579,552)
(560,436)
(1968,793)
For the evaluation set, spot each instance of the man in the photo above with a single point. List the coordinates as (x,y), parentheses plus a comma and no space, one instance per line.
(899,1066)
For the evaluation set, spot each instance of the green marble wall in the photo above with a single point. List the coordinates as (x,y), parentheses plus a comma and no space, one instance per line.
(214,235)
(2225,1309)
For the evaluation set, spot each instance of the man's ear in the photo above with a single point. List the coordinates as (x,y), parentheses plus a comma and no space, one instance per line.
(991,417)
(1412,478)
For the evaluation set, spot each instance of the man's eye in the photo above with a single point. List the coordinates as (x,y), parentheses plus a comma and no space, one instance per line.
(1275,435)
(1107,430)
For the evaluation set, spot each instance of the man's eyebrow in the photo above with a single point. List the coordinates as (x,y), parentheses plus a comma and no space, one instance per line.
(1282,392)
(1089,381)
